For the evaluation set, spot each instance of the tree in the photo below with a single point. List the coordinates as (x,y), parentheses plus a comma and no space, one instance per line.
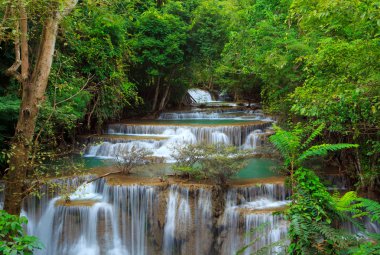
(158,47)
(128,159)
(342,84)
(262,53)
(217,162)
(208,34)
(94,43)
(33,78)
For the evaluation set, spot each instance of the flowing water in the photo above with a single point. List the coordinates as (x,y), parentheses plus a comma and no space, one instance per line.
(174,129)
(168,219)
(143,219)
(200,95)
(173,219)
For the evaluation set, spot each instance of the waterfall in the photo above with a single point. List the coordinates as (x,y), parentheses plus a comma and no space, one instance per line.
(110,220)
(219,138)
(137,219)
(203,221)
(233,135)
(251,142)
(188,222)
(134,206)
(189,115)
(178,220)
(200,96)
(246,211)
(112,150)
(162,136)
(236,133)
(237,114)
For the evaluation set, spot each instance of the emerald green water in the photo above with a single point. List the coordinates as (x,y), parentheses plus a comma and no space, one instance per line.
(96,162)
(258,168)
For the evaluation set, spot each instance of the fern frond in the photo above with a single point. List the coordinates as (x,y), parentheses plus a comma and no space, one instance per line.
(344,202)
(313,135)
(338,237)
(372,207)
(285,142)
(323,149)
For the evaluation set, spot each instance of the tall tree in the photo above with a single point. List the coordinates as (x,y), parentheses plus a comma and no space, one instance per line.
(32,72)
(158,45)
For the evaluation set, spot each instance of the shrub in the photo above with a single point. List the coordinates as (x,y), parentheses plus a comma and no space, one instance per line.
(13,241)
(209,161)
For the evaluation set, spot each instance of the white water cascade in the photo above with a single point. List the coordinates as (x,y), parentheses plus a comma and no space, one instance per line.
(174,135)
(115,220)
(188,222)
(248,219)
(252,140)
(200,95)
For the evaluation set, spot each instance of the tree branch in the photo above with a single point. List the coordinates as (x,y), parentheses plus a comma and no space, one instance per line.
(102,176)
(92,112)
(5,17)
(12,71)
(24,43)
(74,95)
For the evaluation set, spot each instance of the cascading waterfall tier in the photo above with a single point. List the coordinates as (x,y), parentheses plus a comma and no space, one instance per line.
(244,135)
(159,219)
(230,126)
(231,114)
(248,219)
(200,95)
(188,222)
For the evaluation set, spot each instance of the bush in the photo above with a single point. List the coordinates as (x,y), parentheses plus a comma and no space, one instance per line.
(128,159)
(13,241)
(209,161)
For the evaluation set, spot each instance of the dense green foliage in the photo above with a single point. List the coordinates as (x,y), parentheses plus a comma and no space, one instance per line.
(316,217)
(315,61)
(311,61)
(12,238)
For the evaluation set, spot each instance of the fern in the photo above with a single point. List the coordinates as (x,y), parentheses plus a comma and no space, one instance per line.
(313,135)
(314,214)
(372,207)
(323,149)
(286,142)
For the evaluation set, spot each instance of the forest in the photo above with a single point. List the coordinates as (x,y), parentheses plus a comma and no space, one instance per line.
(300,78)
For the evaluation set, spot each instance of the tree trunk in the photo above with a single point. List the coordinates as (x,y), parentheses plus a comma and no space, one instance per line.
(33,91)
(156,94)
(163,100)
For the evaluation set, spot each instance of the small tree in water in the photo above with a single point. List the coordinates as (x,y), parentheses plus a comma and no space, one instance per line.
(127,159)
(209,161)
